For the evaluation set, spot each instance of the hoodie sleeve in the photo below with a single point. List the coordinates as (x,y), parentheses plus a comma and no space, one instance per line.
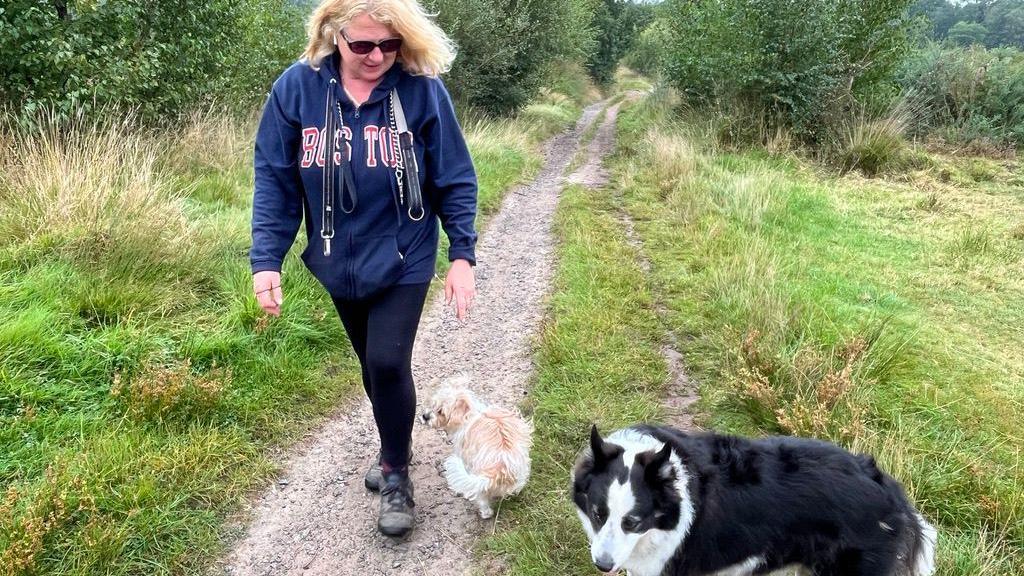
(277,196)
(451,177)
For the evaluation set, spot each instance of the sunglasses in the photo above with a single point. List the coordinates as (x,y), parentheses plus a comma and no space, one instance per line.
(362,47)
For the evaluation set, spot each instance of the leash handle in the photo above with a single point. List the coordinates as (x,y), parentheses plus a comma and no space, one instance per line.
(415,210)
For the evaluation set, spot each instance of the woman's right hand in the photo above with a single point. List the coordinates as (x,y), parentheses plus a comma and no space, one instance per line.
(267,286)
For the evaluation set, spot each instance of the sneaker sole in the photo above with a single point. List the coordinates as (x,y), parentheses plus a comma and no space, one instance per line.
(394,532)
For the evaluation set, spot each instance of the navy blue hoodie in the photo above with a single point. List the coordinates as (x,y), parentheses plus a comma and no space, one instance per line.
(377,244)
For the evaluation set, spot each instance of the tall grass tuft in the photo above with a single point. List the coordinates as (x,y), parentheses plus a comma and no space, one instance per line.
(876,145)
(89,186)
(210,139)
(673,159)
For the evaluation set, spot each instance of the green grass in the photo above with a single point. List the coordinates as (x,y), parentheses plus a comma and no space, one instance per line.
(142,390)
(882,314)
(598,361)
(850,309)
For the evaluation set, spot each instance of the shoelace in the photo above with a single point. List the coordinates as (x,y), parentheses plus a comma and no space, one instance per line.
(395,494)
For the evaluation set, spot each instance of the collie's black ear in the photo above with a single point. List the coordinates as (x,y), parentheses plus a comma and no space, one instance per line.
(598,448)
(658,465)
(596,442)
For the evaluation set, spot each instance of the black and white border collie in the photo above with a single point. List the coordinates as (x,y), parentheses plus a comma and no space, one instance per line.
(658,502)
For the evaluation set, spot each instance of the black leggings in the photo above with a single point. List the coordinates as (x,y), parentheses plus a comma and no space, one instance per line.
(382,329)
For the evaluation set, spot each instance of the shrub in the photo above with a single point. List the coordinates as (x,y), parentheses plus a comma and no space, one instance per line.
(159,57)
(797,61)
(969,94)
(505,49)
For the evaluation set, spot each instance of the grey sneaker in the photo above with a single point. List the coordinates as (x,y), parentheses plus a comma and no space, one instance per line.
(374,479)
(396,506)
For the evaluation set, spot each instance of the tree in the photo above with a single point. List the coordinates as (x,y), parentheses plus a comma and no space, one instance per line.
(941,15)
(617,24)
(158,57)
(1005,24)
(967,34)
(505,47)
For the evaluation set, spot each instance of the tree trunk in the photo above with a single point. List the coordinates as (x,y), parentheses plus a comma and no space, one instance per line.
(61,6)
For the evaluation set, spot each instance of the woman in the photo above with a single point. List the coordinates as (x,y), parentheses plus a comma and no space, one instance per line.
(330,146)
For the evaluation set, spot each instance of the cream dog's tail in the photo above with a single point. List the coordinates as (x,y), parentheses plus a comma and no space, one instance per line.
(462,481)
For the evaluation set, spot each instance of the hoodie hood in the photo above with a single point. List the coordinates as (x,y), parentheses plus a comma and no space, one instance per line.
(331,68)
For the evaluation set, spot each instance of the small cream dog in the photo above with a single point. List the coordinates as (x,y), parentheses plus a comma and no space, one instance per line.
(491,458)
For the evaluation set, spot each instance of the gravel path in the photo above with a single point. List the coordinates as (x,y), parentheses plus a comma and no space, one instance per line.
(318,519)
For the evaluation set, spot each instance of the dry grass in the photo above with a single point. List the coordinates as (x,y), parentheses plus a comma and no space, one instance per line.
(210,139)
(487,136)
(91,184)
(673,159)
(811,394)
(26,520)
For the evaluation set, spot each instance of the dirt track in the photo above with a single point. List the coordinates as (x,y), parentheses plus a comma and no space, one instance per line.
(318,519)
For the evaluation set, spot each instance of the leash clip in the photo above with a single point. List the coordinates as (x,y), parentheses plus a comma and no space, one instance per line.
(327,243)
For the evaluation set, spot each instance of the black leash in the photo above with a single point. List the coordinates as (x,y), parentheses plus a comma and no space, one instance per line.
(406,164)
(333,133)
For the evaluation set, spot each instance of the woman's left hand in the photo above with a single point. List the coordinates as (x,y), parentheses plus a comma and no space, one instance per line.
(460,285)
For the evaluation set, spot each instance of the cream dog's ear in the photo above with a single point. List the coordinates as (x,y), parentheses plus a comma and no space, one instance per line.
(441,411)
(460,408)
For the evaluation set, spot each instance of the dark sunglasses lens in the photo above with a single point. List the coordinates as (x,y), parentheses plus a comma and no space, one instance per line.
(391,45)
(361,46)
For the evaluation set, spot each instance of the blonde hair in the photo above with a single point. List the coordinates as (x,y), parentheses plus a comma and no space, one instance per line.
(426,49)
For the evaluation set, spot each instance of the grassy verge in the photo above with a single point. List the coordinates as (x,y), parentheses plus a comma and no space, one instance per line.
(598,361)
(882,314)
(141,388)
(586,138)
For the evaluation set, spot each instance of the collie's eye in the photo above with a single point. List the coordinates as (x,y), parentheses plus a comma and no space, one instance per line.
(597,514)
(630,524)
